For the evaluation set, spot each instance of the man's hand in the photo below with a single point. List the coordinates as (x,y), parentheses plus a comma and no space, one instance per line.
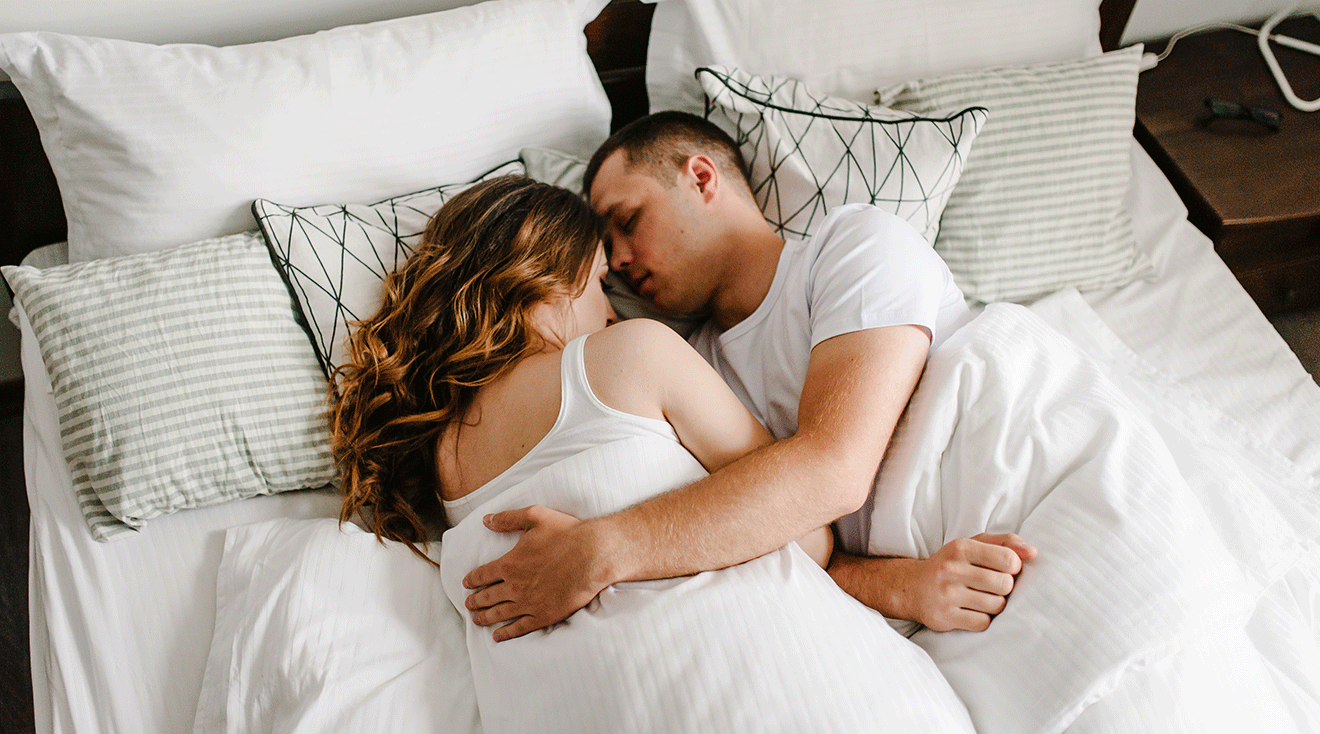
(545,578)
(962,587)
(967,582)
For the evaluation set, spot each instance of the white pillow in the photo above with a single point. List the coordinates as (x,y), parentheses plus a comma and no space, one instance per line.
(153,146)
(182,378)
(322,629)
(1040,206)
(334,256)
(808,152)
(846,47)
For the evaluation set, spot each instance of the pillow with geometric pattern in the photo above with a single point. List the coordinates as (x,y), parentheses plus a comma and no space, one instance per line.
(1040,204)
(808,153)
(334,256)
(182,380)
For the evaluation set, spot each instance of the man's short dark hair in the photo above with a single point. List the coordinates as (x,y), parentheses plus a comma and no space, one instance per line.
(663,142)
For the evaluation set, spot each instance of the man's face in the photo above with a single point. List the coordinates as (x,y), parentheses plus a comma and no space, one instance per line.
(650,230)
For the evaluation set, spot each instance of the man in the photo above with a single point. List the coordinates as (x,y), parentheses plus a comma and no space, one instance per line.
(823,339)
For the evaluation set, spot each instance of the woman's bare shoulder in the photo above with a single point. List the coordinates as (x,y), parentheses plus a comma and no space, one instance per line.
(634,334)
(629,363)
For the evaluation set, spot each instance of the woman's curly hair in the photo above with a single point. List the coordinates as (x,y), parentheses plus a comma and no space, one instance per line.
(457,316)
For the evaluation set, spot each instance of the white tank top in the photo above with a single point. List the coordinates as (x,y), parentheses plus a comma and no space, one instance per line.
(584,422)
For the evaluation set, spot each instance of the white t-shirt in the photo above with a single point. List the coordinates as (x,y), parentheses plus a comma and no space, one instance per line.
(863,269)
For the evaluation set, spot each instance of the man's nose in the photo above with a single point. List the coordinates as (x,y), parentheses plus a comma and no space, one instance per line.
(620,256)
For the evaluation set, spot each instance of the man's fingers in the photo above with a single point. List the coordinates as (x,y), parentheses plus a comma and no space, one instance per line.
(496,614)
(990,582)
(482,576)
(1024,550)
(516,628)
(511,521)
(488,597)
(992,556)
(964,619)
(983,603)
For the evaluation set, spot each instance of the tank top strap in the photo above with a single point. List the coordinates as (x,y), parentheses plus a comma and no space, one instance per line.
(579,401)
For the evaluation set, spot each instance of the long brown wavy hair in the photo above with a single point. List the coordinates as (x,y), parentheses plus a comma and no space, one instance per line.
(457,316)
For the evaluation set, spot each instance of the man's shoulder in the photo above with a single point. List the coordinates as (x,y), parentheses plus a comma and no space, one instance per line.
(866,220)
(862,228)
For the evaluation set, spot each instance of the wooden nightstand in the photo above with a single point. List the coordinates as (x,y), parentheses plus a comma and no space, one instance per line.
(1255,193)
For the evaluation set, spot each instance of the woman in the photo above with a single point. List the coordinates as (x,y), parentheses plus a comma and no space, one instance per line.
(457,377)
(489,381)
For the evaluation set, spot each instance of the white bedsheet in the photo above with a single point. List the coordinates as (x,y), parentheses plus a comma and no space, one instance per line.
(119,632)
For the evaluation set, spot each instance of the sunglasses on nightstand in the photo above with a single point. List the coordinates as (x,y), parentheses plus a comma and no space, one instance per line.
(1222,109)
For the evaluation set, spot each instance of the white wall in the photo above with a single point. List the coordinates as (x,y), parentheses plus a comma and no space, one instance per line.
(1161,18)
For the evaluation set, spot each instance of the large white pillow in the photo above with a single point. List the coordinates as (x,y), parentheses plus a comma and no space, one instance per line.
(322,629)
(154,146)
(846,47)
(809,152)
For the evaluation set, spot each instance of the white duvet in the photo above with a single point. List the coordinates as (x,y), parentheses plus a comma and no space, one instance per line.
(771,645)
(1177,587)
(1015,428)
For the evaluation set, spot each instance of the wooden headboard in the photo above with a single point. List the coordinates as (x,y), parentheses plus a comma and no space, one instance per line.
(31,214)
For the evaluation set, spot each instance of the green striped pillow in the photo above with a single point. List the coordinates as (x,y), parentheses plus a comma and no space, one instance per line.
(182,379)
(1039,206)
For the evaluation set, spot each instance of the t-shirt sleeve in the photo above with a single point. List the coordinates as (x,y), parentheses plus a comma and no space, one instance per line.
(873,269)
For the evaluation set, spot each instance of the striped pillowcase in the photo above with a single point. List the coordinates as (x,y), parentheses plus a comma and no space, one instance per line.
(182,379)
(1039,206)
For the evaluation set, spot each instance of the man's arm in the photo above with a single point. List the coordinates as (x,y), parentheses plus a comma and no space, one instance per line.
(856,388)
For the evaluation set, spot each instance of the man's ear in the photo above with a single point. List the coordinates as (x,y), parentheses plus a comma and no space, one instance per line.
(704,174)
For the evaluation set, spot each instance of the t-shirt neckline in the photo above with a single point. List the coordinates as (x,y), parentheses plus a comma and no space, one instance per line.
(772,295)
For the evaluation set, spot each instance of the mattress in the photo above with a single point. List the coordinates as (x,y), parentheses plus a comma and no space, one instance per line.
(120,631)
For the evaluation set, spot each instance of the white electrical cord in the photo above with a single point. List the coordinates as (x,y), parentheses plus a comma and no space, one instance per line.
(1263,40)
(1263,37)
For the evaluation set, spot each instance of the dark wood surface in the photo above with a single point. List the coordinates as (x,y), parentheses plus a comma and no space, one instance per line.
(1252,191)
(31,213)
(1114,15)
(616,42)
(16,715)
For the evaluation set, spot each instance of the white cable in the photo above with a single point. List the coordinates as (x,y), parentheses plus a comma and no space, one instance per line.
(1263,37)
(1168,48)
(1263,40)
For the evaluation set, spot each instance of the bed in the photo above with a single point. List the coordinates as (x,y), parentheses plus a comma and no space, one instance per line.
(214,198)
